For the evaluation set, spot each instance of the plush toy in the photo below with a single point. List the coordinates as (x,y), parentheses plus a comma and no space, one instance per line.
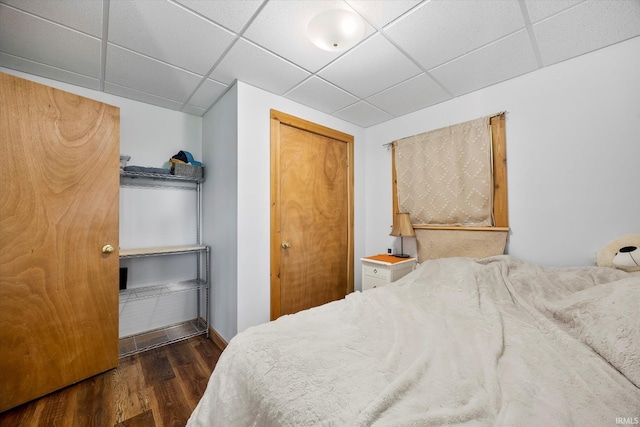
(622,253)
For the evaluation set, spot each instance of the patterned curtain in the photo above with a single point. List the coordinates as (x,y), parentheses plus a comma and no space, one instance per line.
(445,177)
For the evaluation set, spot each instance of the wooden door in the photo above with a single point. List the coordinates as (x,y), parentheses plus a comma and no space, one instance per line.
(312,215)
(59,193)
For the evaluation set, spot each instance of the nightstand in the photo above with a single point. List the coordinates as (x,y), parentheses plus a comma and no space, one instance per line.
(380,270)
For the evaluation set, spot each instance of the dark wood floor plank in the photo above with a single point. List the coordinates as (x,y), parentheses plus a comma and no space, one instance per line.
(173,409)
(157,388)
(155,366)
(58,408)
(132,397)
(95,402)
(192,372)
(144,419)
(193,380)
(207,354)
(23,415)
(181,353)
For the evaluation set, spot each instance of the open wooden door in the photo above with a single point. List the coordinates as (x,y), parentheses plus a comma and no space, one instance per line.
(311,215)
(59,194)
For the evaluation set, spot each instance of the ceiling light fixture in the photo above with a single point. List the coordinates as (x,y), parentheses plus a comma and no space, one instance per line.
(335,30)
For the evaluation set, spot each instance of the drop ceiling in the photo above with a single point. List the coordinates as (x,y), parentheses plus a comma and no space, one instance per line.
(184,54)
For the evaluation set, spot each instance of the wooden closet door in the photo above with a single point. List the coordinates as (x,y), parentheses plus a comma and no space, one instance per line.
(59,193)
(312,245)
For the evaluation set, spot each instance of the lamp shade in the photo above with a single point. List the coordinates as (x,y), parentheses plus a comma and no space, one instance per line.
(402,225)
(335,30)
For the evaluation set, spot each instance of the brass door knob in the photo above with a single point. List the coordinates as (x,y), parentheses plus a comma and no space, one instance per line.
(285,245)
(107,249)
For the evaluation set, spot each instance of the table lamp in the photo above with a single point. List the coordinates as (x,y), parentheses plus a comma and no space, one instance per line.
(402,227)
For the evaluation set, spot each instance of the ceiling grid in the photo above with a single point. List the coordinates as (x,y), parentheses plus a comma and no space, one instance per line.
(184,54)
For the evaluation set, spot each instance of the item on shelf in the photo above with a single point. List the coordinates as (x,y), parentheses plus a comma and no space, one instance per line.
(123,160)
(145,169)
(179,157)
(183,164)
(188,170)
(123,277)
(185,157)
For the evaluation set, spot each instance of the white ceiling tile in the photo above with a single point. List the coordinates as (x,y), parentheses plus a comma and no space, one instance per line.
(129,93)
(370,67)
(207,94)
(503,60)
(317,93)
(162,50)
(439,31)
(587,27)
(39,69)
(253,65)
(231,14)
(81,15)
(196,111)
(281,27)
(168,33)
(363,114)
(411,95)
(133,71)
(539,10)
(380,13)
(29,37)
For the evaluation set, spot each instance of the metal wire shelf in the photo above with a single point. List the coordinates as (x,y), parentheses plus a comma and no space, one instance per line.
(160,176)
(149,340)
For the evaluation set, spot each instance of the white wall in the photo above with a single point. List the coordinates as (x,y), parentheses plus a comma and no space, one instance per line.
(254,107)
(573,146)
(220,193)
(247,171)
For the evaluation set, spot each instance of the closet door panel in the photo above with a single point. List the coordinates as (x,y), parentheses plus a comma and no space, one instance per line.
(59,194)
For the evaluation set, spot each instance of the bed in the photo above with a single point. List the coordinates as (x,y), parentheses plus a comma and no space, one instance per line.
(459,341)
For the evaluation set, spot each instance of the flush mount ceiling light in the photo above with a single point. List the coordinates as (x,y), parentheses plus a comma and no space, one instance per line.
(335,30)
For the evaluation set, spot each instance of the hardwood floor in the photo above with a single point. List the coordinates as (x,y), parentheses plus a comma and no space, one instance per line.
(157,388)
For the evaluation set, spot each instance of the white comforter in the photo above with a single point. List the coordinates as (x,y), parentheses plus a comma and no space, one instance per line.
(457,342)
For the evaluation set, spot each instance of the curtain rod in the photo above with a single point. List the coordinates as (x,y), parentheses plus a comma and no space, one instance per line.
(501,113)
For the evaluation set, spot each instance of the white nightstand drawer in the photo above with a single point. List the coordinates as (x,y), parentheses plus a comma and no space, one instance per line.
(380,270)
(370,282)
(377,271)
